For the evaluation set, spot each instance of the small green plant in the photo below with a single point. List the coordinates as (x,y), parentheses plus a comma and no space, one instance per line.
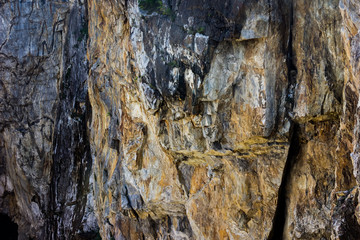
(173,64)
(84,32)
(168,12)
(150,5)
(192,31)
(152,86)
(200,30)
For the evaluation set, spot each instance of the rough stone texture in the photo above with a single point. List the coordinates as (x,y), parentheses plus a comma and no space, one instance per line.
(175,119)
(318,51)
(346,209)
(188,124)
(45,154)
(311,182)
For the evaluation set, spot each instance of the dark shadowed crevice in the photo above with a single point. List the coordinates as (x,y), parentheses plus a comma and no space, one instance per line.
(8,229)
(277,230)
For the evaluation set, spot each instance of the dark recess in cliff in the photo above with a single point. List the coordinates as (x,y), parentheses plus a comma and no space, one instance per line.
(8,229)
(294,150)
(280,214)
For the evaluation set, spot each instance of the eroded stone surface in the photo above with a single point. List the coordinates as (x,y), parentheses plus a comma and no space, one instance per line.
(187,128)
(45,155)
(311,183)
(207,119)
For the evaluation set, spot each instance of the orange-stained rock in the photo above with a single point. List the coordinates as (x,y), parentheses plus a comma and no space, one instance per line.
(193,130)
(154,119)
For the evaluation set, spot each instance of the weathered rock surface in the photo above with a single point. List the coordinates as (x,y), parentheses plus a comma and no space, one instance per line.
(191,124)
(180,119)
(45,153)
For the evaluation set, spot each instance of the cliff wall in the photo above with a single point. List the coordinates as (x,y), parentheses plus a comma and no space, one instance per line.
(180,119)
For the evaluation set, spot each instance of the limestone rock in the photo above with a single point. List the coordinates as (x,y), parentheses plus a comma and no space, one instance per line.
(188,127)
(45,155)
(154,119)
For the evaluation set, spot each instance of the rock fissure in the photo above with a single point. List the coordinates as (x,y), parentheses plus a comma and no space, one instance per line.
(281,208)
(279,219)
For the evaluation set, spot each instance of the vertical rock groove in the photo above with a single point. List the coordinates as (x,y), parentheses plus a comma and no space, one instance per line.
(281,208)
(280,214)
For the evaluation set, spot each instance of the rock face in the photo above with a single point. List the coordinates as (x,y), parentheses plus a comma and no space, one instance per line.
(180,119)
(188,118)
(45,152)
